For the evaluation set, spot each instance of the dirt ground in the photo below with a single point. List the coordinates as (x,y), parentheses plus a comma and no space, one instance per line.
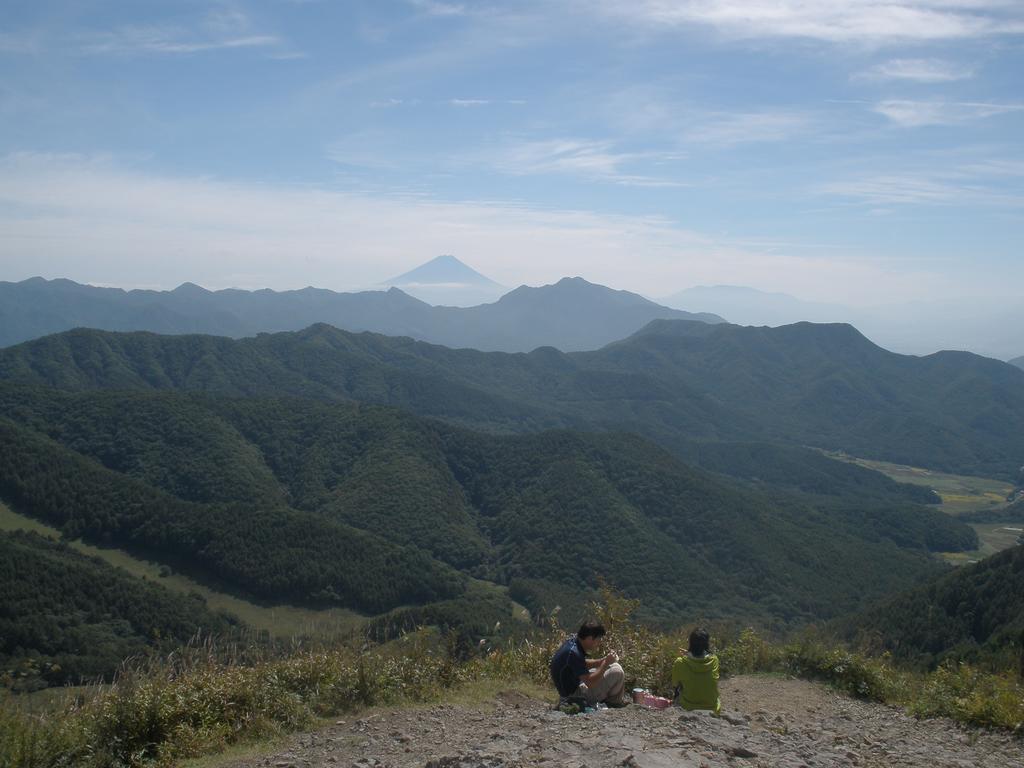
(766,722)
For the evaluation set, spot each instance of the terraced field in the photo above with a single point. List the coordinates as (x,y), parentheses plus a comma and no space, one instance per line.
(959,493)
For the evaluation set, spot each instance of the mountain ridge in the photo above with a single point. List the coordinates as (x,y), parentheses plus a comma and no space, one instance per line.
(572,315)
(822,386)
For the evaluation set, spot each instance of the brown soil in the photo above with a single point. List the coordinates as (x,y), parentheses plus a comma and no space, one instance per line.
(767,722)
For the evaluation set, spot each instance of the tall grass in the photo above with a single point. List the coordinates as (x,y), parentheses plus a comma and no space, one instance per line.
(203,699)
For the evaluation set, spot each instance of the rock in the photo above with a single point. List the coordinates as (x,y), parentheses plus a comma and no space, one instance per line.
(740,752)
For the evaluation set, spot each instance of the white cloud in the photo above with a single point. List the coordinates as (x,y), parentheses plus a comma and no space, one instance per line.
(969,183)
(885,189)
(579,157)
(730,128)
(129,40)
(918,70)
(92,220)
(484,102)
(222,28)
(11,42)
(437,8)
(871,22)
(646,111)
(915,114)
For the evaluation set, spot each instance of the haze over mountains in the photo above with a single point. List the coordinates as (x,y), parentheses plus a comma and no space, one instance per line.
(570,315)
(446,302)
(1018,361)
(990,328)
(748,306)
(446,281)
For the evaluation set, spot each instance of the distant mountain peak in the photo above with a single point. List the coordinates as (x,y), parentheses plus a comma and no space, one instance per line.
(190,289)
(443,270)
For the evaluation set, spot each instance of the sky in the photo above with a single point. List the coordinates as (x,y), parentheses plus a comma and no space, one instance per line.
(854,151)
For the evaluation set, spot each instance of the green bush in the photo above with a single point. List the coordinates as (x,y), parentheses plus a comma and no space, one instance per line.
(968,695)
(200,701)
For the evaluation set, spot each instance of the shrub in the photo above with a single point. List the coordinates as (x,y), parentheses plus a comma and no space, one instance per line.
(201,700)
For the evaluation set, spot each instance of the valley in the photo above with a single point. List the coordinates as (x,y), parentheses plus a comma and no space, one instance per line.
(992,538)
(354,356)
(974,497)
(959,493)
(329,490)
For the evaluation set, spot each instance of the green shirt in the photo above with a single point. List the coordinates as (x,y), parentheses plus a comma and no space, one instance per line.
(697,681)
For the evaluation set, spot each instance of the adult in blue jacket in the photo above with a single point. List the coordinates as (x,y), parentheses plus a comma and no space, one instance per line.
(575,673)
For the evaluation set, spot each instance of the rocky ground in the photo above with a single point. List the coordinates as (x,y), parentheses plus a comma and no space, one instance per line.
(767,722)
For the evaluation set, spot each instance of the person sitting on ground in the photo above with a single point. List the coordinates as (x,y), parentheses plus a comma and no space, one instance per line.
(695,675)
(593,680)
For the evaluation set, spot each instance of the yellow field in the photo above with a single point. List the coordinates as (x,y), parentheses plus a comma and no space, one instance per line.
(992,537)
(959,493)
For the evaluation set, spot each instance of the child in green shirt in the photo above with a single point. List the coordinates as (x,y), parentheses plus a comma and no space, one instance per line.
(695,675)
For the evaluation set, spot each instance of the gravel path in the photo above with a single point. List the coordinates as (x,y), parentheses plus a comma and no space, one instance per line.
(767,722)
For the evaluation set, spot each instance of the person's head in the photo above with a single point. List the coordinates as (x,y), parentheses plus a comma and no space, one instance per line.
(589,635)
(700,641)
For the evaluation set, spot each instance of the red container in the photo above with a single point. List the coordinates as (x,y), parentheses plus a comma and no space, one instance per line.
(649,700)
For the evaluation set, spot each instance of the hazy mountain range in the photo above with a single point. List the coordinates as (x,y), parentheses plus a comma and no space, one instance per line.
(444,301)
(917,328)
(570,315)
(1018,361)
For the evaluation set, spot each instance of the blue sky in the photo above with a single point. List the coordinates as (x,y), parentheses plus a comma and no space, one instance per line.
(846,150)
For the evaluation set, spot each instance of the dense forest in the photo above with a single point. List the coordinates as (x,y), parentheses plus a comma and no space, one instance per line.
(65,617)
(975,613)
(278,469)
(675,382)
(372,508)
(261,550)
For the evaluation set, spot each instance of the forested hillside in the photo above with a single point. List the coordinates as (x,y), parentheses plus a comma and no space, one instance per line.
(269,551)
(371,508)
(676,382)
(974,613)
(65,617)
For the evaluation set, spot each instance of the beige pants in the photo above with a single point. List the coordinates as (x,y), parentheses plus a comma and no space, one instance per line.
(608,688)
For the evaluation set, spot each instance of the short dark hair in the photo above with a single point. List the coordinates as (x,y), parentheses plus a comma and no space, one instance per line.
(591,629)
(700,641)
